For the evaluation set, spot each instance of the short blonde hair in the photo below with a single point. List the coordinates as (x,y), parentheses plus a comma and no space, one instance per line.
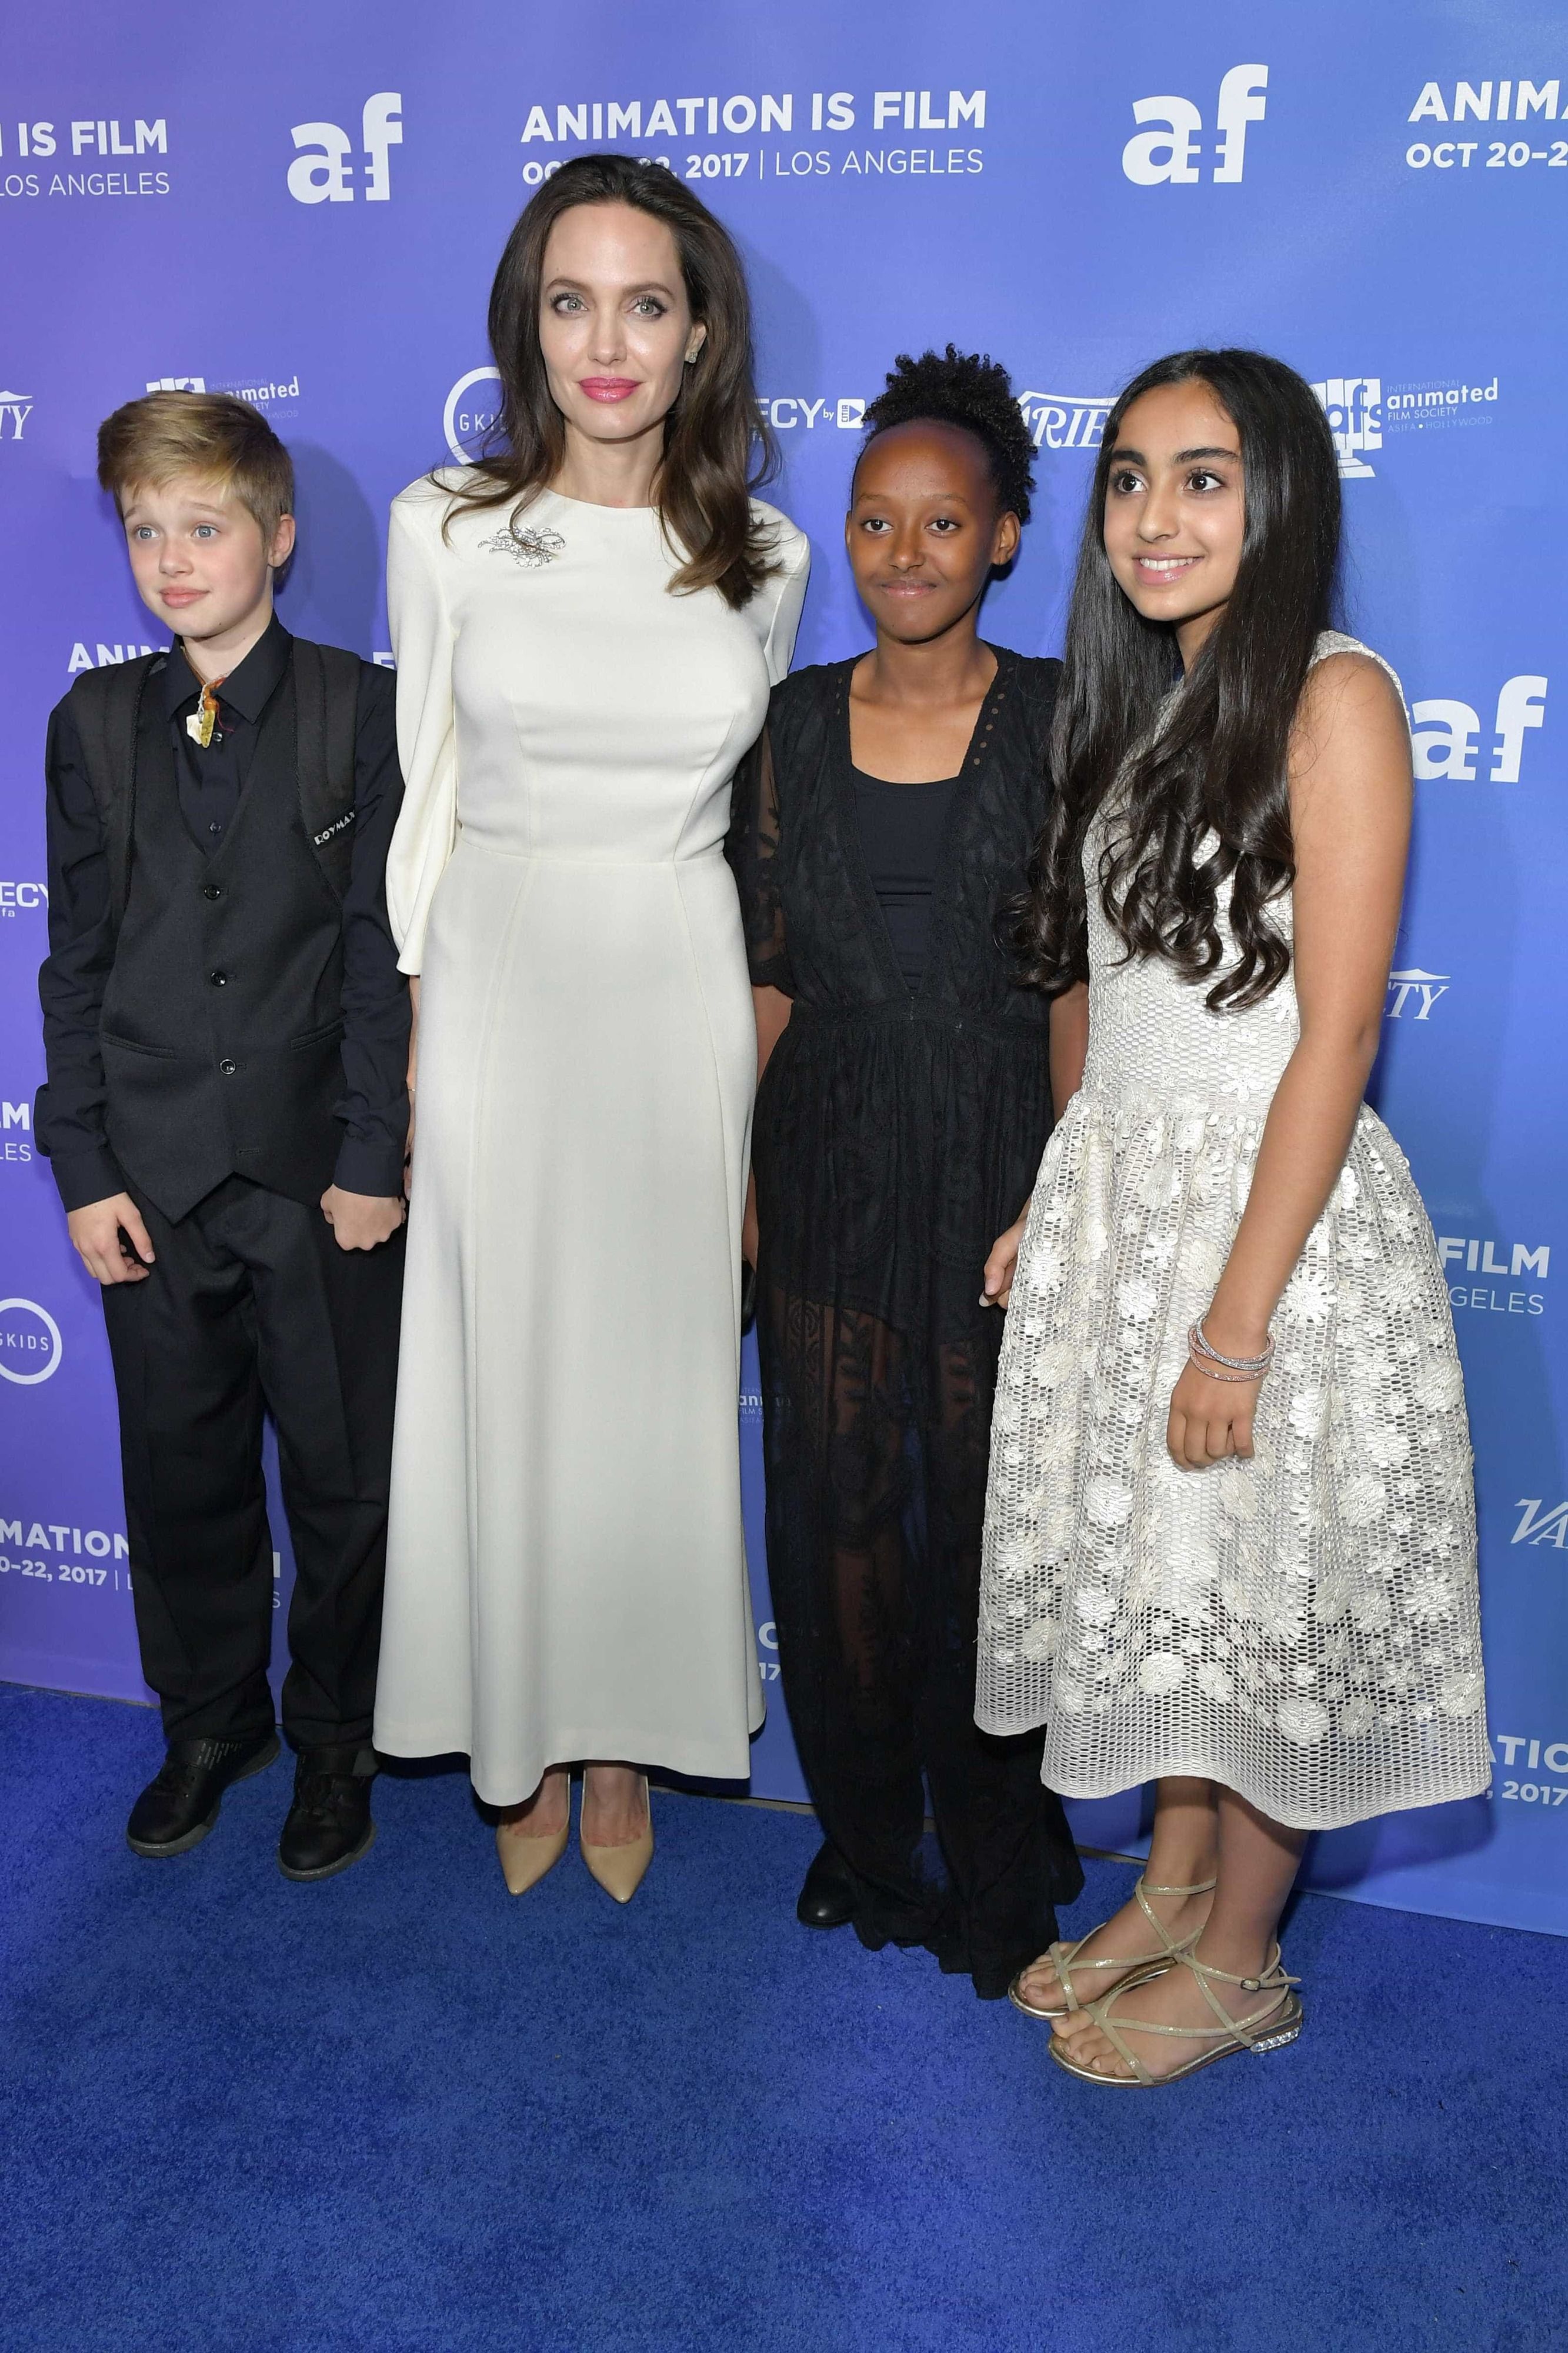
(209,435)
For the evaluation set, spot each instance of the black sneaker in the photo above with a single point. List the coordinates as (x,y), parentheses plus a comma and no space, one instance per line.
(179,1805)
(329,1825)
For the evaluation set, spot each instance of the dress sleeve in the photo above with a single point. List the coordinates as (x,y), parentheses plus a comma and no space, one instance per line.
(754,851)
(422,636)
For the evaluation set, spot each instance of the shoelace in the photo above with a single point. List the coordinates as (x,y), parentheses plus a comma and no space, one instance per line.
(323,1793)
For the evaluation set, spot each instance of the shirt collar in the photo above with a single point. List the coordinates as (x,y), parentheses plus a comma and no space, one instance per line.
(248,685)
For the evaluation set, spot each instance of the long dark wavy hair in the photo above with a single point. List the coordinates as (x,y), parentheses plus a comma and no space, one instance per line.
(1205,794)
(716,448)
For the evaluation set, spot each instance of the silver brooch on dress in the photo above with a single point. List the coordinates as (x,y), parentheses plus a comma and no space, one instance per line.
(533,545)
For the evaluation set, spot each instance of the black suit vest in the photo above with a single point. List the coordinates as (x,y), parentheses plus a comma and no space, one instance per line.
(223,1013)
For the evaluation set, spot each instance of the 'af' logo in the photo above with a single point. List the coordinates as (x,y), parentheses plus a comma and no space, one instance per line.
(1169,151)
(16,407)
(1447,734)
(321,172)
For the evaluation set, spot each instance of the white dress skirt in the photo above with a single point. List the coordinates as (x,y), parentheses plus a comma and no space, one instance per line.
(566,1572)
(1302,1628)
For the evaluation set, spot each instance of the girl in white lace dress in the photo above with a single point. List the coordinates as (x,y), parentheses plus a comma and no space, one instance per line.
(1230,1533)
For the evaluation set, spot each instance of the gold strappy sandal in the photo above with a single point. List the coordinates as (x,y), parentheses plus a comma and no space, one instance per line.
(1150,1964)
(1269,2028)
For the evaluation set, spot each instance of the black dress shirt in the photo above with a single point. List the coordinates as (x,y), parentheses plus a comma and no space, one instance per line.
(211,780)
(373,1107)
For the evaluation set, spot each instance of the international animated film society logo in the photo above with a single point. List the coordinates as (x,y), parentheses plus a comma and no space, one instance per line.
(274,397)
(1360,413)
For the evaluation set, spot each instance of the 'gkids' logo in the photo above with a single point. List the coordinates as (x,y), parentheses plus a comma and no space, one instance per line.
(1447,734)
(30,1342)
(16,407)
(1169,152)
(1063,420)
(321,174)
(466,421)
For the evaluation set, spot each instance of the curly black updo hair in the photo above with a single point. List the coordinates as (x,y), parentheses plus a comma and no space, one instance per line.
(961,388)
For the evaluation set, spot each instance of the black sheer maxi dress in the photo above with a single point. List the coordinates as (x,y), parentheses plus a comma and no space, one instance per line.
(898,1132)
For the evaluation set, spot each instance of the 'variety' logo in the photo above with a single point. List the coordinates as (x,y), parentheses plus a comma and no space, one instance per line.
(1413,987)
(1062,420)
(1538,1528)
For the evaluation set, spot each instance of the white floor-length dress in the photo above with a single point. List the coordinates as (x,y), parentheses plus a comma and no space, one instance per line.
(566,1568)
(1303,1627)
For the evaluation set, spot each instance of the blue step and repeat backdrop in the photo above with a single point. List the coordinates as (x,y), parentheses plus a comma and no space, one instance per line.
(305,205)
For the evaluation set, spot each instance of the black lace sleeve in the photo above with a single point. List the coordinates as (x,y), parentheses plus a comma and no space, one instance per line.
(754,849)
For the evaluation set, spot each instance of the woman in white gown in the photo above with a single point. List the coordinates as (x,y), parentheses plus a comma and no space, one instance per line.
(586,629)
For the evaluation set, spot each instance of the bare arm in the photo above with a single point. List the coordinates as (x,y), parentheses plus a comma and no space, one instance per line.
(772,1008)
(1069,1045)
(1068,1051)
(1350,814)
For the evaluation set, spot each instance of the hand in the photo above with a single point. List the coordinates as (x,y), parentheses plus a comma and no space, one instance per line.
(1210,1419)
(1003,1264)
(361,1220)
(96,1232)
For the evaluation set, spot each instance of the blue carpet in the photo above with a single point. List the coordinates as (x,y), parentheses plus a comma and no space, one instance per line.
(400,2112)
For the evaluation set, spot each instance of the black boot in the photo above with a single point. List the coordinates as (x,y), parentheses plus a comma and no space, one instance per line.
(329,1823)
(179,1805)
(827,1891)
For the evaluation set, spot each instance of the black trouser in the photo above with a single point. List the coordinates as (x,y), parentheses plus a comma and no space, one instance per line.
(253,1308)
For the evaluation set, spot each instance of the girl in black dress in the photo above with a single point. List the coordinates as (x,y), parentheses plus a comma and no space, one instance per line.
(881,826)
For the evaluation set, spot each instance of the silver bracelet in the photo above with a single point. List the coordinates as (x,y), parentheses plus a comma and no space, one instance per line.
(1213,1373)
(1250,1368)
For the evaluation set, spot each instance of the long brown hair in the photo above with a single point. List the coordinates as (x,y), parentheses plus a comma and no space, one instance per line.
(716,448)
(1203,798)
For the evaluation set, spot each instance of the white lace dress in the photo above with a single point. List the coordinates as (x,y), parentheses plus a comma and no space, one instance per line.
(1303,1628)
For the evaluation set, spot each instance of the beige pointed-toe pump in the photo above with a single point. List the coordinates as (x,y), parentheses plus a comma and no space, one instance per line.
(619,1870)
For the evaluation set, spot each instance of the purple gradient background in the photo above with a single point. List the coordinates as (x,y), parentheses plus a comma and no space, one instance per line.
(1023,236)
